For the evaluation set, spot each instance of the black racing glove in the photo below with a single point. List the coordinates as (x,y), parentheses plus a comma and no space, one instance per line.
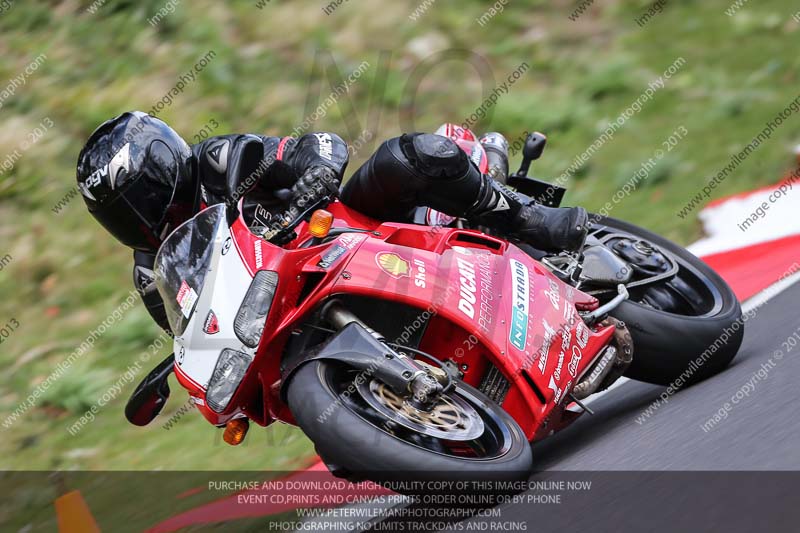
(315,184)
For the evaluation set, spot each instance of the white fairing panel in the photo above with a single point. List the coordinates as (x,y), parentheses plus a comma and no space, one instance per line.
(227,281)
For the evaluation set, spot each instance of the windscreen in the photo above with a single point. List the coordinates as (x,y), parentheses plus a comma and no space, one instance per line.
(182,263)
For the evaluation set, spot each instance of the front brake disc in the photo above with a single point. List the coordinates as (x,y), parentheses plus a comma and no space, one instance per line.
(450,418)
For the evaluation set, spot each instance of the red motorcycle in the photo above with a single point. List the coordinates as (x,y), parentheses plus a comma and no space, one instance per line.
(411,351)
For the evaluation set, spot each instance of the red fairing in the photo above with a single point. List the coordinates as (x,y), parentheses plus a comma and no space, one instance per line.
(477,289)
(486,303)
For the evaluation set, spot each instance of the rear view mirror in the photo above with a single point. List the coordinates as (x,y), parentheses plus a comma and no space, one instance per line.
(151,395)
(534,146)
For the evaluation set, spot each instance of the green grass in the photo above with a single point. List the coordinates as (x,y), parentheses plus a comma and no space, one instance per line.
(67,274)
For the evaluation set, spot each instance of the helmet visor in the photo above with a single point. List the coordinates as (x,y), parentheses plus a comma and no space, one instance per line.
(135,216)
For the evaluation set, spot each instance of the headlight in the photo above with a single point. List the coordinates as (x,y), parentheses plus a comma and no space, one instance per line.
(227,375)
(252,315)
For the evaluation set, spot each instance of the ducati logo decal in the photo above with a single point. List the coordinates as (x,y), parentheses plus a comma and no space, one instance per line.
(468,287)
(211,325)
(393,264)
(226,246)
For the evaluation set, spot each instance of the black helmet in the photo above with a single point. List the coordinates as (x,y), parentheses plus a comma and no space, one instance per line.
(135,176)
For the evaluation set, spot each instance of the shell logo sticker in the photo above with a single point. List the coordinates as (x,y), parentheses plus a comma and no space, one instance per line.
(393,264)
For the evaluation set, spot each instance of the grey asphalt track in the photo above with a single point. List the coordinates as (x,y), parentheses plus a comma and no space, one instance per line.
(669,474)
(666,472)
(761,431)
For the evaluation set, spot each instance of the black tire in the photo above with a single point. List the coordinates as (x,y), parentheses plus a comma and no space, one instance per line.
(359,450)
(668,346)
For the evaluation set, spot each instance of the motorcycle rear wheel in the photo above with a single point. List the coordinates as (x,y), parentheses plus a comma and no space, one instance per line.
(683,345)
(358,442)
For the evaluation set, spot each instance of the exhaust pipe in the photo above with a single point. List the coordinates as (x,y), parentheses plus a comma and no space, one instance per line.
(603,367)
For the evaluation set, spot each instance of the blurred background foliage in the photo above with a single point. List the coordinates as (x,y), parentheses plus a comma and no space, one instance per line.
(272,67)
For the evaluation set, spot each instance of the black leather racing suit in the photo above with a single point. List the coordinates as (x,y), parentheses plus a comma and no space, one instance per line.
(406,172)
(230,167)
(422,169)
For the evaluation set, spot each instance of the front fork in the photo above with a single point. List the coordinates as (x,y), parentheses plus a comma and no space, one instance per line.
(404,375)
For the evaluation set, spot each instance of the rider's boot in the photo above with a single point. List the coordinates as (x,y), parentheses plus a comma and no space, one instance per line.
(431,170)
(544,228)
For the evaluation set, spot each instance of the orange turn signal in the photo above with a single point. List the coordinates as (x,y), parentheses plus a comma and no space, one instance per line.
(320,224)
(235,431)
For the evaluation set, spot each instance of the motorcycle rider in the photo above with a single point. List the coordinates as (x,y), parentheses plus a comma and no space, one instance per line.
(141,180)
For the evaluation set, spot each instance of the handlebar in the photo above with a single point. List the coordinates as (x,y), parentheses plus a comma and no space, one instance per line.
(291,218)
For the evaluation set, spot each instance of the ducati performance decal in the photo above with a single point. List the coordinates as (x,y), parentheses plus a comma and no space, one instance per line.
(476,286)
(520,294)
(186,299)
(393,264)
(211,325)
(485,292)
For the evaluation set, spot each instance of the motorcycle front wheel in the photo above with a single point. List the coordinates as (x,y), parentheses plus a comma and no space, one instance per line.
(363,430)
